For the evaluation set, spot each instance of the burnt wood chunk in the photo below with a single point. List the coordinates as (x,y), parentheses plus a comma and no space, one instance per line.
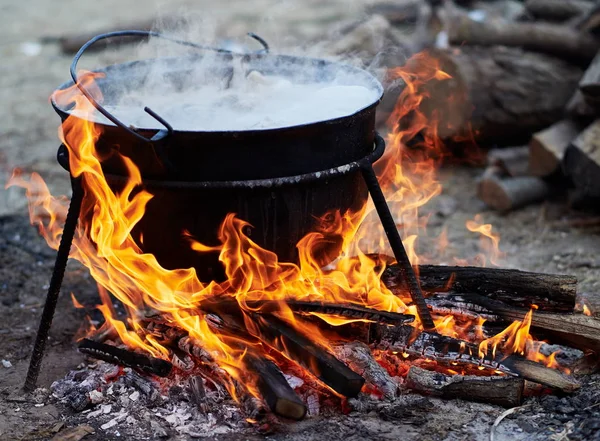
(508,285)
(558,10)
(560,41)
(582,161)
(282,337)
(500,94)
(274,388)
(505,391)
(123,357)
(512,160)
(547,148)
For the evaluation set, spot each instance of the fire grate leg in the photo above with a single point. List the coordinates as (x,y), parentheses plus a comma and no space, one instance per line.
(389,225)
(58,273)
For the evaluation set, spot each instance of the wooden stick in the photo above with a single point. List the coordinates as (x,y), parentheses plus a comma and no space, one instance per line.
(512,193)
(509,285)
(547,148)
(280,336)
(560,41)
(505,391)
(126,358)
(274,388)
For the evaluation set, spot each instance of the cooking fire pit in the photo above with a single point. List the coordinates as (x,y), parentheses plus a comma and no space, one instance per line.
(228,245)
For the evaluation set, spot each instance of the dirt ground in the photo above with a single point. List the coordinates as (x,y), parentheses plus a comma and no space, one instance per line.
(31,66)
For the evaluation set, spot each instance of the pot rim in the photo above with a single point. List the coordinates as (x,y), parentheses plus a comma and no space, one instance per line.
(374,85)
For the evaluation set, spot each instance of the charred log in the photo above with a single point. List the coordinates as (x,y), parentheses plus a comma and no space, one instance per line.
(514,287)
(505,391)
(274,389)
(448,350)
(123,357)
(278,335)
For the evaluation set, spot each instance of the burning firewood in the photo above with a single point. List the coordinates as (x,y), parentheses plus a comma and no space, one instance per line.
(280,336)
(454,351)
(515,287)
(505,391)
(112,354)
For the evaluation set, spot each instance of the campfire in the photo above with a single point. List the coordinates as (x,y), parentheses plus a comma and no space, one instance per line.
(251,264)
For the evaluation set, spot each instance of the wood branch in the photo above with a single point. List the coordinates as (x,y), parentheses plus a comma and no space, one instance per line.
(274,388)
(499,94)
(582,161)
(584,331)
(514,287)
(512,160)
(560,41)
(451,351)
(558,10)
(282,337)
(547,148)
(123,357)
(504,391)
(512,193)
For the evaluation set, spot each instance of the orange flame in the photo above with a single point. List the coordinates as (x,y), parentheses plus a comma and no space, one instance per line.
(104,244)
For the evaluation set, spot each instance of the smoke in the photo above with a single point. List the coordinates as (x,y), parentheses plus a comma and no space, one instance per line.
(204,90)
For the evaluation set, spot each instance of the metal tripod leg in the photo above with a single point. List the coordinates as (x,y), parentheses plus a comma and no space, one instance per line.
(391,231)
(58,273)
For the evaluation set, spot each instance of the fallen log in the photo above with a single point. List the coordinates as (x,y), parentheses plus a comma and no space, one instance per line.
(512,160)
(558,10)
(582,161)
(547,148)
(514,287)
(451,351)
(504,391)
(278,335)
(123,357)
(512,193)
(499,94)
(560,41)
(274,388)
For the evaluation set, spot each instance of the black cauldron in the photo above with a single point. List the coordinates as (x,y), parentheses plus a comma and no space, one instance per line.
(279,180)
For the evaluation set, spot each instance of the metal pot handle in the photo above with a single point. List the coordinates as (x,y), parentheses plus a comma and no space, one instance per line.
(168,129)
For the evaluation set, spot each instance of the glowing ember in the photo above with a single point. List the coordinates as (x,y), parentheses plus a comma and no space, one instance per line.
(104,244)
